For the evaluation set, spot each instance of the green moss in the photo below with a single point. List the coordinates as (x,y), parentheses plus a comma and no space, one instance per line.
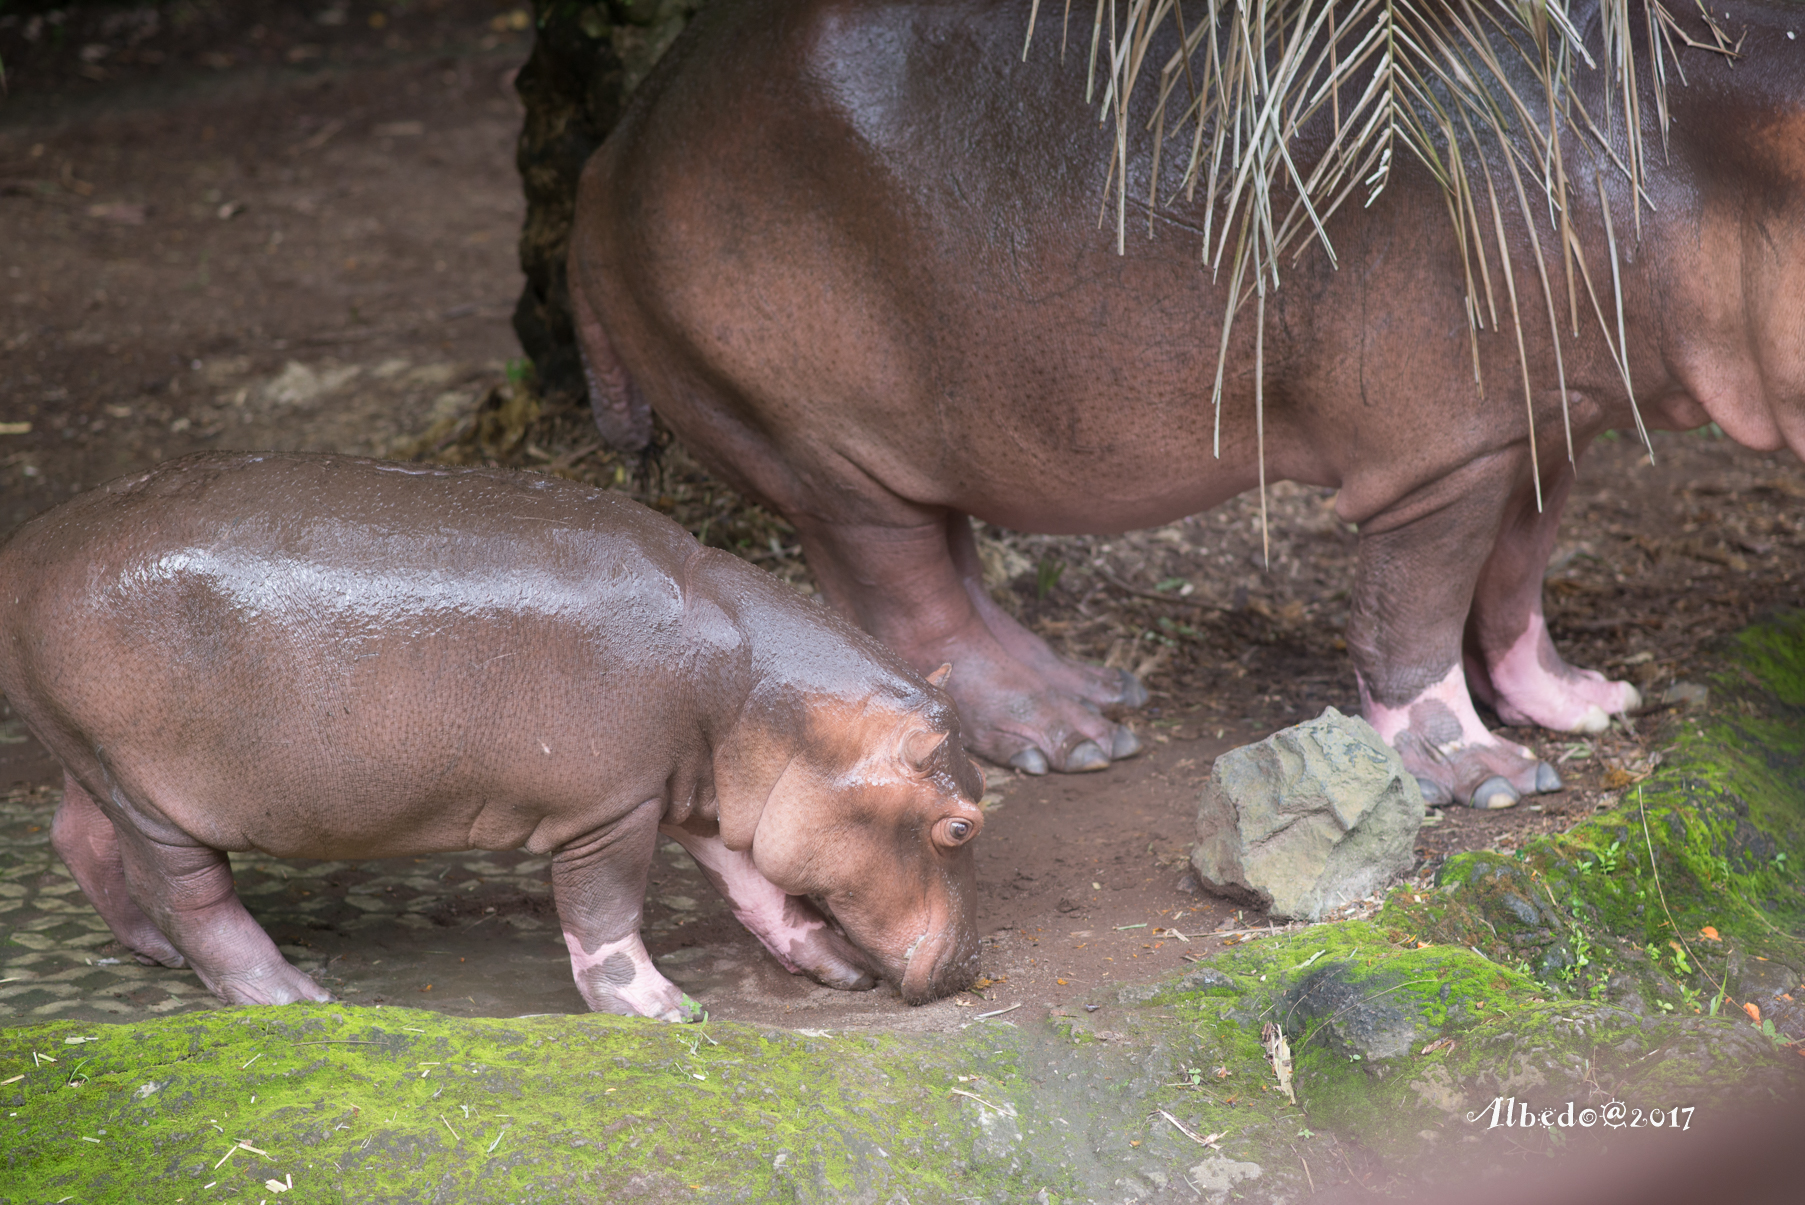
(1658,902)
(354,1103)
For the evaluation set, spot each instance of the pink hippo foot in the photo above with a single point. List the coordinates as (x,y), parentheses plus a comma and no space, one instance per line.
(1531,684)
(618,977)
(798,936)
(1452,755)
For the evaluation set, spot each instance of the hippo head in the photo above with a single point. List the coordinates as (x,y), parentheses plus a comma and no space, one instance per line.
(871,815)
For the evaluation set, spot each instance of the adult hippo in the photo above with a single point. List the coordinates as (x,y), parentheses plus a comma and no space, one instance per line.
(329,657)
(851,254)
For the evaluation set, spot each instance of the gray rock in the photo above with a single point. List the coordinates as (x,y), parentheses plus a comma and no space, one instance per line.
(1685,694)
(1215,1178)
(1312,817)
(1205,979)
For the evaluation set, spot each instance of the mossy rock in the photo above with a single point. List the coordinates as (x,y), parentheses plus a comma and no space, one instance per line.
(1407,1034)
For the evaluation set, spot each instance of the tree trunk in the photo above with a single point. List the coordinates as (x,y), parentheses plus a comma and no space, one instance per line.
(586,61)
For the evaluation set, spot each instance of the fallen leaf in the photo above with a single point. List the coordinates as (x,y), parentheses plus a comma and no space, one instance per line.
(1279,1051)
(1709,934)
(1753,1010)
(121,213)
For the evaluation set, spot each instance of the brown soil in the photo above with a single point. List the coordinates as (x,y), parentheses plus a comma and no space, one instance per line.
(254,230)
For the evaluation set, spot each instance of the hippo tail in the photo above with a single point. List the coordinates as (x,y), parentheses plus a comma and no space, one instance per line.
(618,407)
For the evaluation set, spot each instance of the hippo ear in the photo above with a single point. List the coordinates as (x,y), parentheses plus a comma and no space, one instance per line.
(939,676)
(924,750)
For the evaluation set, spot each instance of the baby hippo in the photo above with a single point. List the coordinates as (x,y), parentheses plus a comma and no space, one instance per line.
(331,657)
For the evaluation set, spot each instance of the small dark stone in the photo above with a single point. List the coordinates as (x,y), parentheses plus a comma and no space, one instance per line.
(1518,907)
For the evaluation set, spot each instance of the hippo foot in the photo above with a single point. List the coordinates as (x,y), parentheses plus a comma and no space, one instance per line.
(804,942)
(1451,754)
(618,977)
(1038,712)
(274,983)
(1530,684)
(798,935)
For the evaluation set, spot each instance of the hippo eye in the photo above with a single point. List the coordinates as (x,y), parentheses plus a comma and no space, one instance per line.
(955,830)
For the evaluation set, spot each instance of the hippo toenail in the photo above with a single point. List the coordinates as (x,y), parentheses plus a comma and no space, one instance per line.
(1134,694)
(1086,755)
(1547,778)
(1434,794)
(1494,793)
(1124,744)
(1030,761)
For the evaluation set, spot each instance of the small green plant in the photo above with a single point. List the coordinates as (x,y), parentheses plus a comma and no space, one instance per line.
(1047,575)
(1680,964)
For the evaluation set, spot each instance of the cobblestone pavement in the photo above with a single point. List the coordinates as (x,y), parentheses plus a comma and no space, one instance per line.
(469,933)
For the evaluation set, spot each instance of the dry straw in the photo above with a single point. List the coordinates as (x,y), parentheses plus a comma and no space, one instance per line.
(1483,94)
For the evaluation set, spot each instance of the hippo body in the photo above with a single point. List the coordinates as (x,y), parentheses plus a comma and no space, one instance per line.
(330,657)
(851,254)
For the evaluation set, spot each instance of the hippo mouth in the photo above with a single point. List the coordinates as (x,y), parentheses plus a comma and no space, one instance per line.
(936,965)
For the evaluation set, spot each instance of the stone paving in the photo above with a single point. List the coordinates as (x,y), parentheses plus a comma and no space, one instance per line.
(472,933)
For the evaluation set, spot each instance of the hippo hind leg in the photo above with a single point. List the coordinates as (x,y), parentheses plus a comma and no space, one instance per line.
(185,891)
(1512,664)
(85,840)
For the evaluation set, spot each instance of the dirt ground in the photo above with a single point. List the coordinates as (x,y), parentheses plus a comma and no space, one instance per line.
(257,226)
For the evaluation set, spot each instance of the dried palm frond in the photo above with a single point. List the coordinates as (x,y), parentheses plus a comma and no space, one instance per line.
(1481,92)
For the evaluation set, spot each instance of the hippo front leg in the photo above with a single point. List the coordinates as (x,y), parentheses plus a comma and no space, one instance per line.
(600,887)
(917,586)
(789,926)
(1512,664)
(1419,564)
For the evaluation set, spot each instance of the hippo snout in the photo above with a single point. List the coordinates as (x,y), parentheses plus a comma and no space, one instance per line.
(938,969)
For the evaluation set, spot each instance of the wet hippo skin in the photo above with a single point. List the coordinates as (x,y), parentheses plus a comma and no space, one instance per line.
(851,255)
(329,657)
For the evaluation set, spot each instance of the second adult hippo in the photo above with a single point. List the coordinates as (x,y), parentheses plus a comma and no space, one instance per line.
(328,657)
(850,253)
